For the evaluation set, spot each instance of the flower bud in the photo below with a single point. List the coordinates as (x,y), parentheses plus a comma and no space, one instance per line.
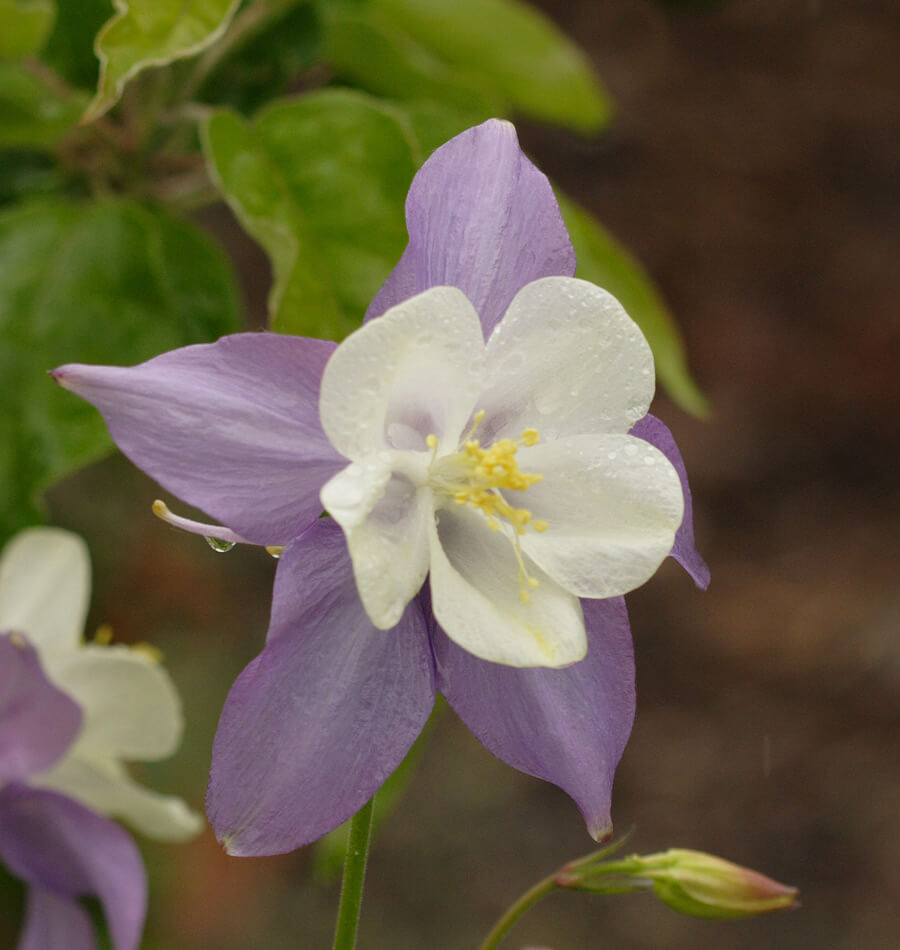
(702,885)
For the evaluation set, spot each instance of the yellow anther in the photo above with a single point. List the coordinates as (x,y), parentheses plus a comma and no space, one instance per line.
(479,476)
(154,653)
(104,635)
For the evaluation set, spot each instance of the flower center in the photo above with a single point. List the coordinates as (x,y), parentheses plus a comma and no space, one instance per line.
(478,476)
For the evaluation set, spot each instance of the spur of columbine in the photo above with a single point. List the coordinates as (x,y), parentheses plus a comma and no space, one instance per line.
(486,429)
(70,712)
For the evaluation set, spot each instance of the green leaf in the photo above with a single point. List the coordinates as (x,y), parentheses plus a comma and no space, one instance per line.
(147,33)
(110,282)
(320,181)
(603,261)
(365,48)
(70,49)
(26,173)
(24,27)
(268,62)
(434,123)
(35,112)
(509,43)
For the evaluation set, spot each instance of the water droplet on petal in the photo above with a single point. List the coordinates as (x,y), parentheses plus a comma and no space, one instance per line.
(220,546)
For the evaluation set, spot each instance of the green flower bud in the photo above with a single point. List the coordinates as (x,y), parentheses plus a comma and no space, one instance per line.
(702,885)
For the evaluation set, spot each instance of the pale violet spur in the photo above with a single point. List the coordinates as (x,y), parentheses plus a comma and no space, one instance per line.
(495,484)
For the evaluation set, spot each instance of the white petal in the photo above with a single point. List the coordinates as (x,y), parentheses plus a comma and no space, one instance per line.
(414,371)
(106,787)
(384,517)
(351,495)
(45,583)
(612,504)
(475,598)
(565,359)
(131,709)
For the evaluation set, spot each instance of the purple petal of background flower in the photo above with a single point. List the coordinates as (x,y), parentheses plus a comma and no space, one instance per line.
(55,923)
(52,842)
(566,726)
(318,721)
(231,427)
(651,430)
(38,722)
(482,218)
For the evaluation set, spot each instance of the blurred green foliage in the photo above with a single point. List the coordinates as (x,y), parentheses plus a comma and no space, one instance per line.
(100,282)
(320,182)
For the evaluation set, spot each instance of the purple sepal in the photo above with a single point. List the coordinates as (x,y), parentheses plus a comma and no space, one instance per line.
(53,922)
(567,726)
(230,427)
(52,842)
(38,722)
(482,218)
(318,721)
(652,430)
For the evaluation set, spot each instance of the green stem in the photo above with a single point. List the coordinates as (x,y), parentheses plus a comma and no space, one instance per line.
(354,878)
(527,900)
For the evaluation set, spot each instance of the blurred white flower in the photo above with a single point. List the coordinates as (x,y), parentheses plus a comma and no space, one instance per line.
(130,709)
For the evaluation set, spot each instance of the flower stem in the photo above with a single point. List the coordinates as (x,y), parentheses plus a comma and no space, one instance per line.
(527,900)
(562,878)
(354,878)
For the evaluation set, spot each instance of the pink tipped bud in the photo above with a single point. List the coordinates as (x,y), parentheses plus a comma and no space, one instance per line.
(702,885)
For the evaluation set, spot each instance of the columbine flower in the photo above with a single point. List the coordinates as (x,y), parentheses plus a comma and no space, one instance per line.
(522,474)
(69,714)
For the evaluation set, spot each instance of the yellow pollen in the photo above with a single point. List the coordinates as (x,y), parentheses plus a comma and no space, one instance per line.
(104,635)
(148,650)
(478,476)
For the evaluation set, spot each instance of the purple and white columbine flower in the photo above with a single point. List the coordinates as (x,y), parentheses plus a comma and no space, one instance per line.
(489,431)
(69,713)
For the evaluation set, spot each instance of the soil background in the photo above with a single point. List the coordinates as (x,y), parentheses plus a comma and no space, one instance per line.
(752,167)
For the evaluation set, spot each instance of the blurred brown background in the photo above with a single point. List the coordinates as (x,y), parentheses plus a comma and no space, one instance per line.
(752,168)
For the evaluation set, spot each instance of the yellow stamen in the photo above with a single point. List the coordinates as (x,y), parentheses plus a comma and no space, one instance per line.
(104,635)
(478,477)
(154,653)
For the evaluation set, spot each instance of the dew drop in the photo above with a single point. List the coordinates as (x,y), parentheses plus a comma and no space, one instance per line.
(631,450)
(220,546)
(370,387)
